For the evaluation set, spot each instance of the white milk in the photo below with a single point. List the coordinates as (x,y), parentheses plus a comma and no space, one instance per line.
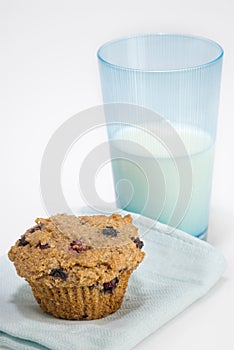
(148,164)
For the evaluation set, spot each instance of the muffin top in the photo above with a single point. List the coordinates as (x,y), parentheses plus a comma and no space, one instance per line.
(72,249)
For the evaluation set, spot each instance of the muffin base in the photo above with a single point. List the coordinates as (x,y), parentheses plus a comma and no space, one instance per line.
(81,303)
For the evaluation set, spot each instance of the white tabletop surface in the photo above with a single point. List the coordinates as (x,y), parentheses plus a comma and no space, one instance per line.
(49,72)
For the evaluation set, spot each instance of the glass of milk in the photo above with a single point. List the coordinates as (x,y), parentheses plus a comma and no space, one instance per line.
(161,97)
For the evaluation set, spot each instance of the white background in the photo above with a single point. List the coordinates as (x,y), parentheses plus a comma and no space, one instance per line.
(49,72)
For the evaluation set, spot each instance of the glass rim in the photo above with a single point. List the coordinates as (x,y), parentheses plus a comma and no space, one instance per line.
(189,36)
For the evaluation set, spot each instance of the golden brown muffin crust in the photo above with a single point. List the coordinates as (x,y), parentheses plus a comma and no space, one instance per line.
(87,248)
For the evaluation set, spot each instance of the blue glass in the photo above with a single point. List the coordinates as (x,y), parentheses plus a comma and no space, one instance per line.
(177,77)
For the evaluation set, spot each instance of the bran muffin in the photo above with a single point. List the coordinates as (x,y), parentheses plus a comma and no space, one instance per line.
(78,266)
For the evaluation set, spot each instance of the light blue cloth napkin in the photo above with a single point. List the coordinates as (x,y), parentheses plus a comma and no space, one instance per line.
(177,270)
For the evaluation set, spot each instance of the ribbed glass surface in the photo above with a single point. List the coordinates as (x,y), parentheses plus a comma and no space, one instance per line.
(177,77)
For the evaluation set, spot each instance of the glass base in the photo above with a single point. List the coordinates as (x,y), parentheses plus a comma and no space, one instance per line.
(202,235)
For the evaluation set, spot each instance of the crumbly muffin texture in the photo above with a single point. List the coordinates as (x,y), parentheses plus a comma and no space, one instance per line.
(78,266)
(65,249)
